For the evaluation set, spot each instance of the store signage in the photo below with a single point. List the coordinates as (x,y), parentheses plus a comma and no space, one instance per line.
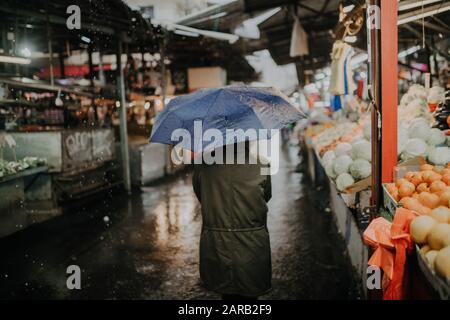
(74,20)
(373,17)
(83,148)
(77,143)
(77,149)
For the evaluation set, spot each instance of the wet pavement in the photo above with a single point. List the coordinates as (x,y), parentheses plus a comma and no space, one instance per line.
(146,246)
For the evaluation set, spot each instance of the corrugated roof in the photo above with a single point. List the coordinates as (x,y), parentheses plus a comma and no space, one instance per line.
(101,21)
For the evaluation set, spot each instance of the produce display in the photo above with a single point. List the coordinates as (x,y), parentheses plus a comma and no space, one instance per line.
(432,233)
(414,103)
(12,167)
(348,159)
(418,133)
(341,132)
(442,114)
(420,139)
(344,149)
(424,190)
(427,193)
(314,130)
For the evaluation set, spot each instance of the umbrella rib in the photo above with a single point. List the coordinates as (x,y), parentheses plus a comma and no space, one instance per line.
(214,102)
(251,108)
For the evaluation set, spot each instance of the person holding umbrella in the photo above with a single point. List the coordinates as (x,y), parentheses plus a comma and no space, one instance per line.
(235,258)
(234,247)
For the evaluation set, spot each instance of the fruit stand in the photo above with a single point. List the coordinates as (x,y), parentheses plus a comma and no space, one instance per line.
(388,168)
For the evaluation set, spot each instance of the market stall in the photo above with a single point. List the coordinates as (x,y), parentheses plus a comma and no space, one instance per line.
(386,167)
(15,179)
(16,176)
(62,127)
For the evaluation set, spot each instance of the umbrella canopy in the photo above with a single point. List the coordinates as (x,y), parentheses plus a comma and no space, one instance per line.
(236,113)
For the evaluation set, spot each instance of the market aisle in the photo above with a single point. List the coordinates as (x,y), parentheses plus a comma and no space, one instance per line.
(147,246)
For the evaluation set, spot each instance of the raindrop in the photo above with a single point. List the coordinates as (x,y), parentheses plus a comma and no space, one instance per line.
(6,276)
(106,219)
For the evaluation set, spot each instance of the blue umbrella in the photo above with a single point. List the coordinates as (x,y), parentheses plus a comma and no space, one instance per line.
(225,110)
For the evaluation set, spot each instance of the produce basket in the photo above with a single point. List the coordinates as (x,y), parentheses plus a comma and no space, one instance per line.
(441,285)
(399,172)
(389,203)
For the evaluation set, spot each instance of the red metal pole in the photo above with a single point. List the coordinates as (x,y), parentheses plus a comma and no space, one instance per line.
(389,88)
(374,51)
(383,60)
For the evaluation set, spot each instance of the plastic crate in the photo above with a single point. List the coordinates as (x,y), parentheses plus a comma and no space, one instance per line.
(439,284)
(389,203)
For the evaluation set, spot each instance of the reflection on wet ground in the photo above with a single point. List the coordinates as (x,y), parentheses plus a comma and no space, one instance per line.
(146,246)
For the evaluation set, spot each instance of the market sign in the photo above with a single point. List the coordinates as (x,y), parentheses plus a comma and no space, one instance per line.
(83,149)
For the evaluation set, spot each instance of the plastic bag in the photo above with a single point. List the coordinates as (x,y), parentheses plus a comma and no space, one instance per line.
(391,242)
(403,244)
(378,237)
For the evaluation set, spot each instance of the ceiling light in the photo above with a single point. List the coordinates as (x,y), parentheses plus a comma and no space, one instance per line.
(25,52)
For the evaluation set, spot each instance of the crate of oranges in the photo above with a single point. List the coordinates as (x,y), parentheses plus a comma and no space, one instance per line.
(421,190)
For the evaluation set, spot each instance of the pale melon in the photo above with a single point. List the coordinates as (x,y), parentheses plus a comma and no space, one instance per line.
(421,227)
(441,214)
(442,262)
(437,235)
